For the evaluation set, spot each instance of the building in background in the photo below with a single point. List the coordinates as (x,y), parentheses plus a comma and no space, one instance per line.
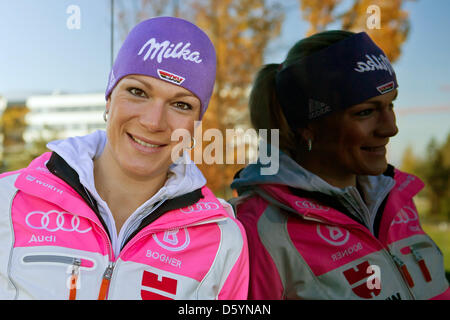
(63,115)
(3,102)
(29,121)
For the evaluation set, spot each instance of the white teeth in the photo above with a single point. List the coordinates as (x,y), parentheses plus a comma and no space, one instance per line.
(145,144)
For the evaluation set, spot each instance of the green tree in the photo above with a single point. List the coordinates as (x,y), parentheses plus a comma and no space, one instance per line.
(434,169)
(13,127)
(410,162)
(437,177)
(17,153)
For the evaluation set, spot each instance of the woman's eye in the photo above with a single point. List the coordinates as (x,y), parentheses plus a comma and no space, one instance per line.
(183,105)
(365,112)
(136,92)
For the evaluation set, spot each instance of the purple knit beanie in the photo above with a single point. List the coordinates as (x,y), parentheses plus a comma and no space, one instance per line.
(170,49)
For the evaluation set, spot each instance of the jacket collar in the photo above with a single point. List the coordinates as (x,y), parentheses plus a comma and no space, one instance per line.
(79,153)
(321,207)
(50,178)
(362,202)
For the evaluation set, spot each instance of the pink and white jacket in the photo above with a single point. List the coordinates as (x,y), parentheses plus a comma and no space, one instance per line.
(55,243)
(309,240)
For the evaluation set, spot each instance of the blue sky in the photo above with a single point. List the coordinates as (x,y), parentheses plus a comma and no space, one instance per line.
(39,54)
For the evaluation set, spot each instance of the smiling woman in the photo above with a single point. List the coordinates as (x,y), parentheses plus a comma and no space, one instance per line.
(357,145)
(119,195)
(142,113)
(327,225)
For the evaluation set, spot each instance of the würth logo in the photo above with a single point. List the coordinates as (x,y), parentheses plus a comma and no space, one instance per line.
(171,77)
(44,184)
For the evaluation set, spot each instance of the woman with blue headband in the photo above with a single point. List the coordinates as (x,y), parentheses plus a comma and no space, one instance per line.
(336,221)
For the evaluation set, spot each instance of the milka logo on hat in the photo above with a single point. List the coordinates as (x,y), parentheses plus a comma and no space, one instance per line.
(166,49)
(373,63)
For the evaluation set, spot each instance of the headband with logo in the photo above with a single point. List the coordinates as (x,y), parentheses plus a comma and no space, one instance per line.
(170,49)
(340,76)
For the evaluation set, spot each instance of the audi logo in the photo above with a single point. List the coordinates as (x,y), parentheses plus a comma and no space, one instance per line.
(405,215)
(200,206)
(53,221)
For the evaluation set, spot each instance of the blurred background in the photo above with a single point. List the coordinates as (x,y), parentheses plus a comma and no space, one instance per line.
(55,56)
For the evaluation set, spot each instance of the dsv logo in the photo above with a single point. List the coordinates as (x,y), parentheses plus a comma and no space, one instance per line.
(200,206)
(53,221)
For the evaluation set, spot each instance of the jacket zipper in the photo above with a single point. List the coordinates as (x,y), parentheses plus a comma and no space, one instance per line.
(138,221)
(399,267)
(74,279)
(144,234)
(420,260)
(109,270)
(107,275)
(104,287)
(403,270)
(69,260)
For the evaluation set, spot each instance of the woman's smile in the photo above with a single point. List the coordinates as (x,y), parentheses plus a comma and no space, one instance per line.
(375,150)
(145,145)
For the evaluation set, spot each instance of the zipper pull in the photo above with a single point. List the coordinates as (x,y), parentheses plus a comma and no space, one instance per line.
(74,278)
(421,261)
(404,270)
(105,281)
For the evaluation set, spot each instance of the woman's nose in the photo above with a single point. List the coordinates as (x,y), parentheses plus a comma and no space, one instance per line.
(154,117)
(387,124)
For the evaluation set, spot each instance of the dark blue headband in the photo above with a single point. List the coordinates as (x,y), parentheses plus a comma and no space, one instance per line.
(340,76)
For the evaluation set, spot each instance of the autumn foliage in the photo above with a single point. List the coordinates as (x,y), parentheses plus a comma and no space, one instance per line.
(390,33)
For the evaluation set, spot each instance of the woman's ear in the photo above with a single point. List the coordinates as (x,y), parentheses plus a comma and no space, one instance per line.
(306,133)
(108,103)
